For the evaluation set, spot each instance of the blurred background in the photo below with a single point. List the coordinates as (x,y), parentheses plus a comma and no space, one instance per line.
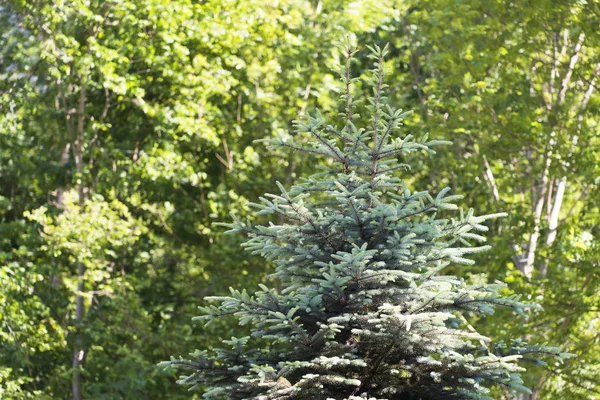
(127,129)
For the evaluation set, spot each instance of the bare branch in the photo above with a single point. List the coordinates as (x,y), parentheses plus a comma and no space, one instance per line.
(537,215)
(489,178)
(565,82)
(556,206)
(586,98)
(228,160)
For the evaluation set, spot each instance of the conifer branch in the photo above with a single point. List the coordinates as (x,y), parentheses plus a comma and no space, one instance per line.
(335,151)
(312,223)
(378,54)
(358,221)
(348,89)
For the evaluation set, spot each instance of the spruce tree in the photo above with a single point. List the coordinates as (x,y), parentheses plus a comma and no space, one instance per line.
(366,310)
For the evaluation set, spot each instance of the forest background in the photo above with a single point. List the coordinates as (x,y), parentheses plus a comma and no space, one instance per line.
(127,129)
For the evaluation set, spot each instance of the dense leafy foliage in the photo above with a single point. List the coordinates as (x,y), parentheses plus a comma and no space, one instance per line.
(515,88)
(127,129)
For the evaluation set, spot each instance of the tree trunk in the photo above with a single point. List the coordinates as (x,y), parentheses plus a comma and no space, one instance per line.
(554,213)
(78,350)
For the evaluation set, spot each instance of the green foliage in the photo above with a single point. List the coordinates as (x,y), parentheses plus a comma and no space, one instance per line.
(126,129)
(365,310)
(175,93)
(515,88)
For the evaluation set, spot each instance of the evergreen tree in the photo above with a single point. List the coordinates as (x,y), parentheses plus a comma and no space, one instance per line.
(366,311)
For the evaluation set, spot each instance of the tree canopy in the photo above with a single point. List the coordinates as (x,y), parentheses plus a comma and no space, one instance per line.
(128,128)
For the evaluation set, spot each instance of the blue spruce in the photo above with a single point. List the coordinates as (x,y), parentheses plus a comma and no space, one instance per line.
(366,310)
